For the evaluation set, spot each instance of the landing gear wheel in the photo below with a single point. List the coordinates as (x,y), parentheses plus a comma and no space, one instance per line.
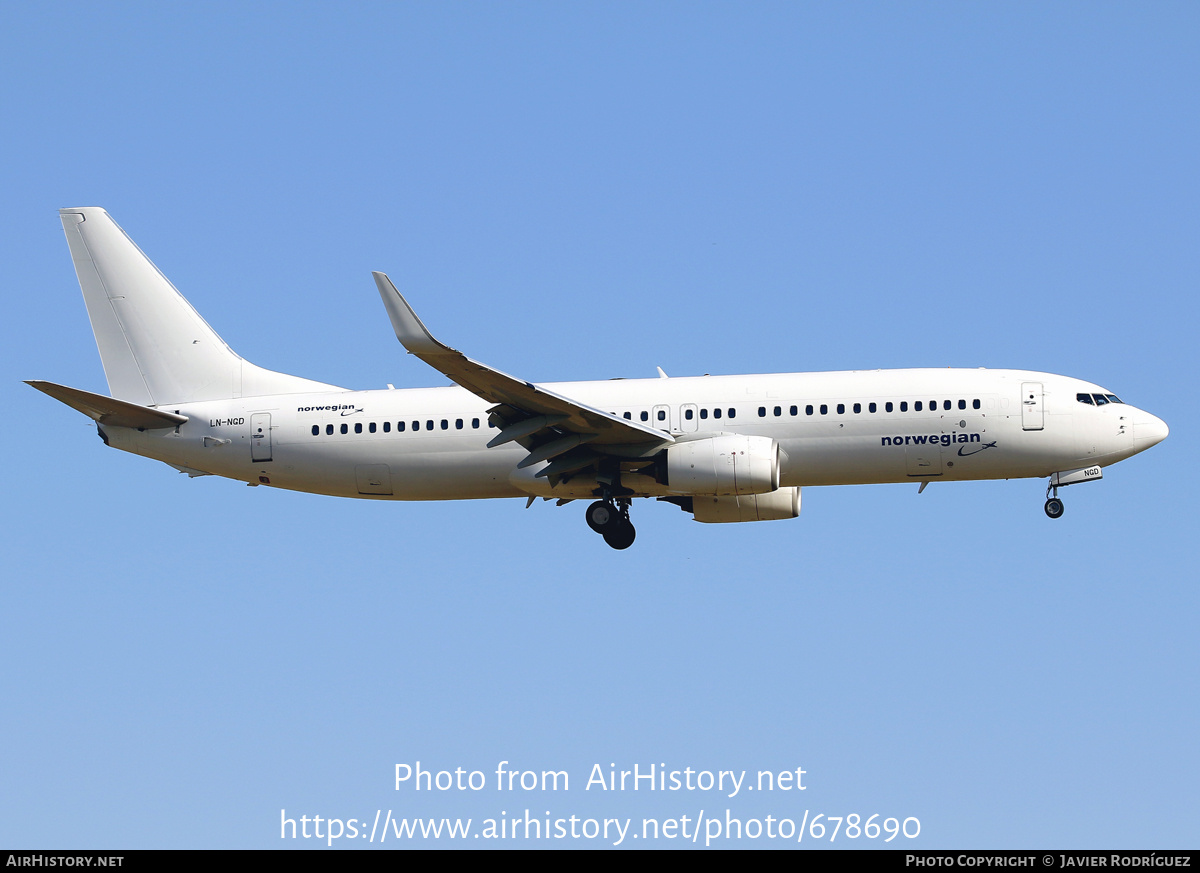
(621,536)
(1054,507)
(602,517)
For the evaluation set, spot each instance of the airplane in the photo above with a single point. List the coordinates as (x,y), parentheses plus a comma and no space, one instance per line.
(723,448)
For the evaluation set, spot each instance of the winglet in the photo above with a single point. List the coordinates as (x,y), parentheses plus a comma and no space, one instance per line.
(413,335)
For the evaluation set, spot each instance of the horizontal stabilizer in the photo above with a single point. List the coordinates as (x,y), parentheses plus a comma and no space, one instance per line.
(109,410)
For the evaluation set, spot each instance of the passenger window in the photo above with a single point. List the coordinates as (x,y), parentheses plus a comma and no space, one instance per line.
(1100,399)
(716,413)
(645,416)
(474,422)
(808,410)
(371,427)
(857,408)
(688,414)
(795,409)
(703,413)
(946,404)
(662,415)
(387,427)
(779,411)
(416,425)
(975,403)
(917,406)
(841,409)
(762,412)
(962,404)
(629,416)
(399,427)
(358,427)
(429,425)
(824,409)
(732,412)
(329,429)
(904,406)
(458,424)
(887,407)
(445,424)
(345,428)
(316,430)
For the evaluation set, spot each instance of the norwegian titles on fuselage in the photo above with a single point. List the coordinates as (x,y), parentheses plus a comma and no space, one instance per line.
(945,439)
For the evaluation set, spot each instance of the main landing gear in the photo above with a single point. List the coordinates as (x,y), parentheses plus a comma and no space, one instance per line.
(1054,506)
(610,519)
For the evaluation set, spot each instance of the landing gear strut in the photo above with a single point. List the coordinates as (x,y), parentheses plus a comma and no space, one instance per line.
(611,520)
(1054,506)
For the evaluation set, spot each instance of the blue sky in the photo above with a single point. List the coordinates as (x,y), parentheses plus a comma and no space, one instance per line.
(576,191)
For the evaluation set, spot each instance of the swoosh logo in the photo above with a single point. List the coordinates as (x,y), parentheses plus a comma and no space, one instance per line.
(963,454)
(357,411)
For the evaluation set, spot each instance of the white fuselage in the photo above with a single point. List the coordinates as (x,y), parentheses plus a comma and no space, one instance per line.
(430,443)
(723,448)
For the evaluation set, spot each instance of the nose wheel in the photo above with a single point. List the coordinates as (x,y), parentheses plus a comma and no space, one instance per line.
(1054,506)
(611,521)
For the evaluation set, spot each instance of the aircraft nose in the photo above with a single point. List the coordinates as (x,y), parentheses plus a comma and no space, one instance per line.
(1149,430)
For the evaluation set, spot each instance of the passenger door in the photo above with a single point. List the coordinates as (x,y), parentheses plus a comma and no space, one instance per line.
(1032,413)
(260,437)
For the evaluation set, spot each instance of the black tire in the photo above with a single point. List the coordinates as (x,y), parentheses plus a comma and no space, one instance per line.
(1054,507)
(621,537)
(602,516)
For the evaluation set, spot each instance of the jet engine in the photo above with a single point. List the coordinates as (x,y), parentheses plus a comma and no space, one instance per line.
(784,503)
(723,465)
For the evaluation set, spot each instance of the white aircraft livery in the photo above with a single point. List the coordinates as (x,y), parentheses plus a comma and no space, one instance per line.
(723,448)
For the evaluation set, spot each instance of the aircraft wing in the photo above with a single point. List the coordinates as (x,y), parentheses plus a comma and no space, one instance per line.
(109,410)
(546,423)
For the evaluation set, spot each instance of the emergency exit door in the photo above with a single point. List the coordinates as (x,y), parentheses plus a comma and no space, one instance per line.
(660,417)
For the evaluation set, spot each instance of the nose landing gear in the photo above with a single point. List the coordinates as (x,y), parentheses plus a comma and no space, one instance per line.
(1054,506)
(611,520)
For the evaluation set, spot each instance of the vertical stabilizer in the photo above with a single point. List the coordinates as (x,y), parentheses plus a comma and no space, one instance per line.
(155,347)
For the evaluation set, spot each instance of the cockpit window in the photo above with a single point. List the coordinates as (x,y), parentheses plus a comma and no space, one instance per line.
(1084,398)
(1113,398)
(1100,399)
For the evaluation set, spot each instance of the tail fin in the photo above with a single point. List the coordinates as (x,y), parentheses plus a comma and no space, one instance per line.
(155,347)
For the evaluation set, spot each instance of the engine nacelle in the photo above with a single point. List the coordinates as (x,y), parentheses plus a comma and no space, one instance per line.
(723,465)
(784,503)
